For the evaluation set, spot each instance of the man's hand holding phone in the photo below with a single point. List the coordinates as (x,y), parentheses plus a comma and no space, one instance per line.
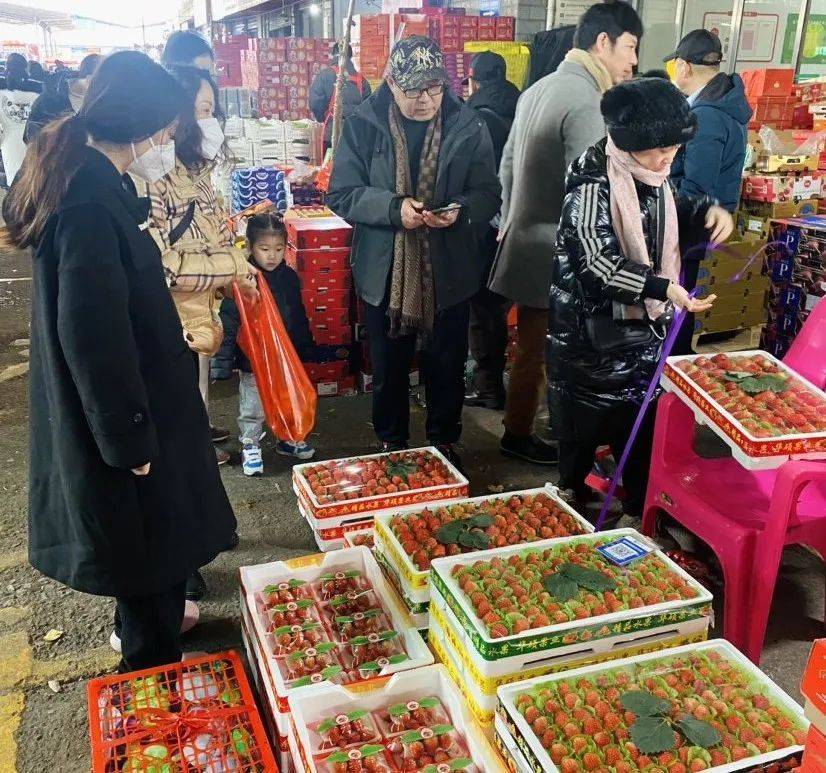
(442,217)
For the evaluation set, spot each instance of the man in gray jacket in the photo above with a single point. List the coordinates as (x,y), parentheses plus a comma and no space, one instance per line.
(557,119)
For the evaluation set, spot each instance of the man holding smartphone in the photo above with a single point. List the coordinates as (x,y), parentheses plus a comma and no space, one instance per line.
(414,172)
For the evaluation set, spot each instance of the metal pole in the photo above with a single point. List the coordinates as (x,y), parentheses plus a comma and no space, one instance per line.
(734,35)
(800,35)
(344,47)
(679,15)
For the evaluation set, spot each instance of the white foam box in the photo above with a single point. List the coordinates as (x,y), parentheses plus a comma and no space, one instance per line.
(430,682)
(356,537)
(415,583)
(596,636)
(754,453)
(457,486)
(538,760)
(254,579)
(332,529)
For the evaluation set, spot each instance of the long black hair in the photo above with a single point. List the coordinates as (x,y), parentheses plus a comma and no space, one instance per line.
(183,47)
(17,72)
(188,134)
(129,99)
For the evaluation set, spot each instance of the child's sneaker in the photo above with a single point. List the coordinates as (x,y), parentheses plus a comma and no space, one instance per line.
(251,460)
(300,450)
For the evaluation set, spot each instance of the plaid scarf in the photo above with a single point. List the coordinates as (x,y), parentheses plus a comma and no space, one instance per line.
(412,304)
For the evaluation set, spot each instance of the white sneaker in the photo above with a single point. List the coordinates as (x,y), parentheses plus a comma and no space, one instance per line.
(251,460)
(191,616)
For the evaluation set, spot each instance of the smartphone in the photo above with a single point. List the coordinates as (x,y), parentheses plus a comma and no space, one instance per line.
(445,210)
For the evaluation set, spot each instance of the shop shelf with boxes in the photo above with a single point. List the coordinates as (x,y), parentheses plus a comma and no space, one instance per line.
(507,614)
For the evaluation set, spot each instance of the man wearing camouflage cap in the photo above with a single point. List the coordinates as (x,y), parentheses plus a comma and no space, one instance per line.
(414,173)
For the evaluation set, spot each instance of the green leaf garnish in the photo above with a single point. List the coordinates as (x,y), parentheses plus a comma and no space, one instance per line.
(482,520)
(653,735)
(448,533)
(401,470)
(475,540)
(560,586)
(458,764)
(698,732)
(644,704)
(592,579)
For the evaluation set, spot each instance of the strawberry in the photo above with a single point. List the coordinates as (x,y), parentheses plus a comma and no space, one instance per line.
(569,765)
(558,751)
(696,765)
(590,761)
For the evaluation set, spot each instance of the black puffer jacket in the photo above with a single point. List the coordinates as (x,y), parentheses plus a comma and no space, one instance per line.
(590,274)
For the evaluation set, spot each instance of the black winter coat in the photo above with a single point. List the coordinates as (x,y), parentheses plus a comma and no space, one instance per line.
(112,387)
(496,103)
(590,274)
(363,192)
(285,285)
(321,94)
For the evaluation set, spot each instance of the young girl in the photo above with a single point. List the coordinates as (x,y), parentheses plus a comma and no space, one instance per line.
(266,241)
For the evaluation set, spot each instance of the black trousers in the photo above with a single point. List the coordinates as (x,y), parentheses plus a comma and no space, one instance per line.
(489,340)
(149,628)
(576,458)
(442,367)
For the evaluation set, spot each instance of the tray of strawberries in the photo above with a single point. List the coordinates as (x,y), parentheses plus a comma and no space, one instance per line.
(410,538)
(702,707)
(198,715)
(328,618)
(354,538)
(362,484)
(759,406)
(416,722)
(558,594)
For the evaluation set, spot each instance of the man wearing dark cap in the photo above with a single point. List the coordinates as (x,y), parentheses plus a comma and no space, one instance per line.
(711,164)
(494,98)
(414,172)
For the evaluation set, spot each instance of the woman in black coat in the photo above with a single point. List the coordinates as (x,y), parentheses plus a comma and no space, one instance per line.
(125,497)
(615,280)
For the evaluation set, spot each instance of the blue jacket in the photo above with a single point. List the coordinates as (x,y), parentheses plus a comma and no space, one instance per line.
(712,163)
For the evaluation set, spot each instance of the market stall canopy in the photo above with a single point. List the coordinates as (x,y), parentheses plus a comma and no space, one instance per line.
(12,13)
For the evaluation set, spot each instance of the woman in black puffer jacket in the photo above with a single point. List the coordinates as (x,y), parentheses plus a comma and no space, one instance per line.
(615,285)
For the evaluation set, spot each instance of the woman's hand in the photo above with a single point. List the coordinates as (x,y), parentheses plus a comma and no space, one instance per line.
(719,224)
(680,298)
(411,213)
(249,287)
(142,470)
(432,220)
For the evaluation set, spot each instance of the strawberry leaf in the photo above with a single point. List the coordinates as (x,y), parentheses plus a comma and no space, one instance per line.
(481,521)
(401,470)
(768,383)
(592,579)
(448,533)
(475,540)
(697,732)
(560,587)
(644,704)
(653,735)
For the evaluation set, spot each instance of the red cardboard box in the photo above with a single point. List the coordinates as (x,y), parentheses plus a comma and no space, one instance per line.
(311,261)
(769,82)
(320,301)
(318,233)
(331,327)
(319,372)
(774,188)
(326,281)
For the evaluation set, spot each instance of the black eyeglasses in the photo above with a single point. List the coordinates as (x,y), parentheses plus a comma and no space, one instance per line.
(431,91)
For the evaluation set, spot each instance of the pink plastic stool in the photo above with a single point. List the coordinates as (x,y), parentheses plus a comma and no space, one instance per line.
(807,354)
(745,517)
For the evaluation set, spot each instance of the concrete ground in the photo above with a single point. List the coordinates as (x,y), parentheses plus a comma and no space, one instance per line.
(43,724)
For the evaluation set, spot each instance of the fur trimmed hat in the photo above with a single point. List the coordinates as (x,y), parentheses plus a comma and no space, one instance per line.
(647,113)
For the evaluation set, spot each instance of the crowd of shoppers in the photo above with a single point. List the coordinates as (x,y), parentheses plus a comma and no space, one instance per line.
(460,210)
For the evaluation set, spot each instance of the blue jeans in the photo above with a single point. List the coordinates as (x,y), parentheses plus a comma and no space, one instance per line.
(250,411)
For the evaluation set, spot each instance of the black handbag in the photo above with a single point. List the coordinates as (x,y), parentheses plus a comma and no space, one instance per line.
(609,335)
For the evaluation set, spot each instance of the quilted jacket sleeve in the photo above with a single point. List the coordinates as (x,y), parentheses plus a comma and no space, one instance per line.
(588,236)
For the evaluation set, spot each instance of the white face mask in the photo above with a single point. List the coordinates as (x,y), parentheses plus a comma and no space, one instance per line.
(213,137)
(155,162)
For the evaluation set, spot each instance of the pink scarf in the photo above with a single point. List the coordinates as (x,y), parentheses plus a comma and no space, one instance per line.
(623,169)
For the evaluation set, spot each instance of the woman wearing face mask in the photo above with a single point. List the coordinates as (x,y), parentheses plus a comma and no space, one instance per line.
(191,231)
(616,280)
(125,498)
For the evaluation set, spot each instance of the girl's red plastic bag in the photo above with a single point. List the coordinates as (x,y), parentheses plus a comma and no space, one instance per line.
(287,394)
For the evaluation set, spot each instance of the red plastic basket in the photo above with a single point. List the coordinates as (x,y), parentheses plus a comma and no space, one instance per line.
(185,717)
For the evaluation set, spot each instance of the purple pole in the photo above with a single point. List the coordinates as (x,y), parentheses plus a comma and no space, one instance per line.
(668,345)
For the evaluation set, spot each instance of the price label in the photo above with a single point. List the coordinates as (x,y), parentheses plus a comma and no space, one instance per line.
(624,551)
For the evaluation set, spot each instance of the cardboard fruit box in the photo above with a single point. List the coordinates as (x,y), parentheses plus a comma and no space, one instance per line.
(347,493)
(329,532)
(724,712)
(527,508)
(400,719)
(761,431)
(304,633)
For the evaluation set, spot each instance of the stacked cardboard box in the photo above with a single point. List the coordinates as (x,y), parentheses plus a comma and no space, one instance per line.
(795,265)
(280,71)
(774,99)
(319,250)
(228,59)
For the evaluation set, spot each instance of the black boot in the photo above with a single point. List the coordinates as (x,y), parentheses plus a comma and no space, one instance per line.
(448,450)
(491,400)
(195,587)
(531,448)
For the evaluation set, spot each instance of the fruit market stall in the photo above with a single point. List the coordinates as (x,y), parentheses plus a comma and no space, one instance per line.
(760,407)
(408,538)
(703,707)
(513,613)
